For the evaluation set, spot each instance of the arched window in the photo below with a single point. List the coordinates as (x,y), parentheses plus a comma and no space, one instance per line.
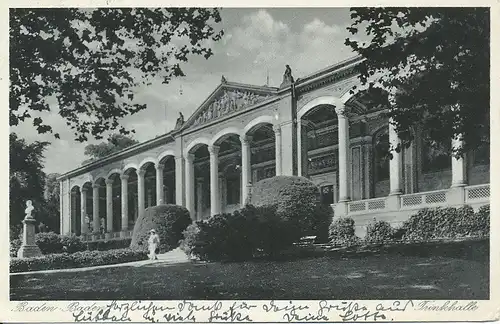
(381,154)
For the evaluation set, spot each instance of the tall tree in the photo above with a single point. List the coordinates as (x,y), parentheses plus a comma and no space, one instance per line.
(51,217)
(27,179)
(434,63)
(90,60)
(115,143)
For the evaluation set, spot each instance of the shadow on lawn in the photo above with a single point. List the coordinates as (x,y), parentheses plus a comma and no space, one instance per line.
(452,271)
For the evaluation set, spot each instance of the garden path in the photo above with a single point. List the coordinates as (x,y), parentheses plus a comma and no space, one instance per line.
(172,257)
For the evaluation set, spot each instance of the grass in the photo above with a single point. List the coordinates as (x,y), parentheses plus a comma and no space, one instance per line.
(375,276)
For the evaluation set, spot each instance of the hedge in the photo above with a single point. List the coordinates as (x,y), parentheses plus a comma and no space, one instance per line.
(247,233)
(112,244)
(169,221)
(76,260)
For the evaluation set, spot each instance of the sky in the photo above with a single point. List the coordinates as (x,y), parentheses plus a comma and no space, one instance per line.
(257,43)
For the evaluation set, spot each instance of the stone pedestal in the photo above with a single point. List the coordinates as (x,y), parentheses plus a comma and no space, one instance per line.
(29,248)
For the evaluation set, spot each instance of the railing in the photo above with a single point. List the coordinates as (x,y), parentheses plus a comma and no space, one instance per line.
(477,193)
(375,204)
(106,236)
(423,199)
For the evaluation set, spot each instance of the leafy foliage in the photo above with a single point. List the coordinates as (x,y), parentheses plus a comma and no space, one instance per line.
(112,244)
(379,232)
(89,61)
(51,242)
(76,260)
(434,63)
(115,143)
(169,221)
(26,180)
(296,199)
(51,216)
(342,232)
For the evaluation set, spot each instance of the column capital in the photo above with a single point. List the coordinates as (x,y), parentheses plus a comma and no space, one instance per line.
(84,189)
(109,182)
(341,111)
(277,129)
(178,157)
(213,149)
(141,172)
(96,186)
(245,139)
(189,157)
(124,177)
(159,166)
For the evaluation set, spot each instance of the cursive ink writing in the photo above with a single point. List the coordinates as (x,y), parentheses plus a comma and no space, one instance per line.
(180,318)
(446,306)
(396,306)
(100,316)
(232,314)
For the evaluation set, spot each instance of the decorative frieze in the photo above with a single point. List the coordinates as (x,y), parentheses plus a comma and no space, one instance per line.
(322,163)
(227,103)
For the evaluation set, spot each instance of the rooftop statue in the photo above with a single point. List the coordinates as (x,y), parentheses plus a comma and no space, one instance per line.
(287,77)
(180,121)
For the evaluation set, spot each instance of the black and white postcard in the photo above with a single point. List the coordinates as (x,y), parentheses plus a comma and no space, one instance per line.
(223,164)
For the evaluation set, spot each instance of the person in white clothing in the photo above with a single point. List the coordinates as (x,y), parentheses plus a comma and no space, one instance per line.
(154,244)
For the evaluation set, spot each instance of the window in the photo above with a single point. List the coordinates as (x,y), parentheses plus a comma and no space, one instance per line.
(327,194)
(381,154)
(233,190)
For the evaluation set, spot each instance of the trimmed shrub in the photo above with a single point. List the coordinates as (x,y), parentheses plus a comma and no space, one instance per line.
(322,218)
(169,221)
(72,244)
(342,233)
(76,260)
(15,245)
(379,232)
(296,200)
(246,233)
(112,244)
(447,223)
(49,242)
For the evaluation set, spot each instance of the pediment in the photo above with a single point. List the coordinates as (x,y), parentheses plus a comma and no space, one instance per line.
(227,100)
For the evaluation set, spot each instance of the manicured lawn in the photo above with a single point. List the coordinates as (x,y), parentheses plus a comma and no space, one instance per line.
(384,276)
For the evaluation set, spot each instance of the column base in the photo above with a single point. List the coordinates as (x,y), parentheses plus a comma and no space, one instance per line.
(107,235)
(341,208)
(393,201)
(29,251)
(456,195)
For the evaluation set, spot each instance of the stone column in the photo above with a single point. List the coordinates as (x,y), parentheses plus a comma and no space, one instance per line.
(83,203)
(140,192)
(458,166)
(343,129)
(159,184)
(179,181)
(199,200)
(109,206)
(277,136)
(456,194)
(245,167)
(190,184)
(395,167)
(96,222)
(214,180)
(299,148)
(62,214)
(124,180)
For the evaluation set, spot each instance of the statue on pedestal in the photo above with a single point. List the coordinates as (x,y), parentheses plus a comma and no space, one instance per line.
(28,247)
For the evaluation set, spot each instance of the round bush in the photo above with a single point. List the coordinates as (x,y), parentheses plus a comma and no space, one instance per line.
(379,232)
(342,232)
(296,199)
(169,221)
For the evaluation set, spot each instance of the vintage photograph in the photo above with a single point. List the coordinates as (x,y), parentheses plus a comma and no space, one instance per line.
(249,154)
